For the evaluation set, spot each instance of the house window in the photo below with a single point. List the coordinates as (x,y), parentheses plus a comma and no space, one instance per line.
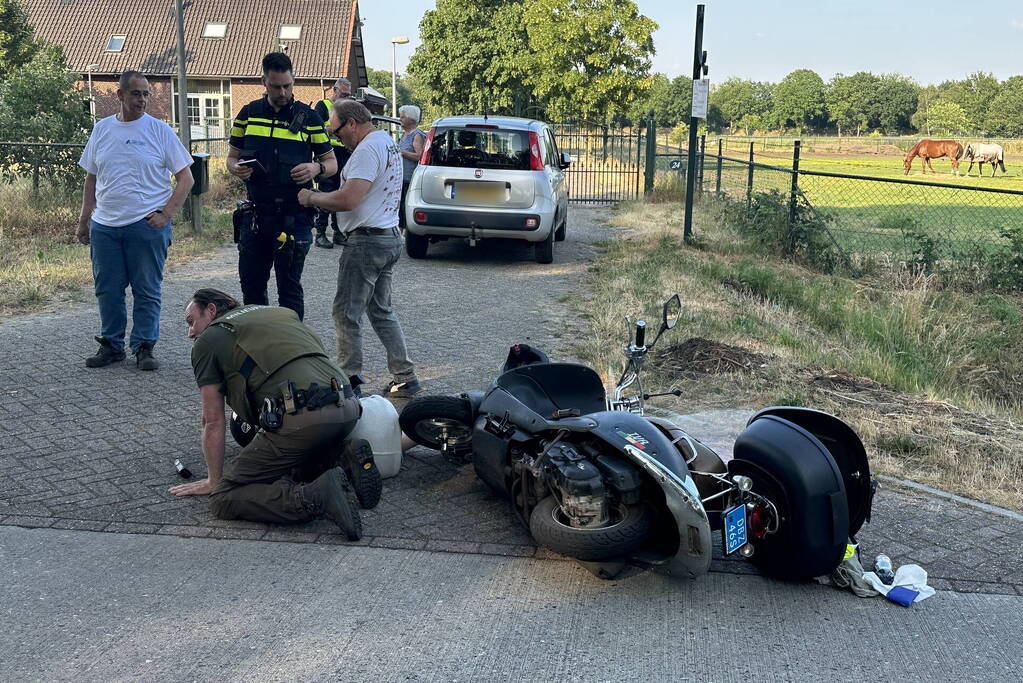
(290,32)
(115,44)
(214,29)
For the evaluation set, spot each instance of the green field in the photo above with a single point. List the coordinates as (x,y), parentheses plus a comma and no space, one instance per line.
(871,216)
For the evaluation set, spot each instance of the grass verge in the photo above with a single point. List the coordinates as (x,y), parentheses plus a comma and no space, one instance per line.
(41,261)
(929,378)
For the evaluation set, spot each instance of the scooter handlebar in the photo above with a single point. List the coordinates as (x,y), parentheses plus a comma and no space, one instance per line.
(640,333)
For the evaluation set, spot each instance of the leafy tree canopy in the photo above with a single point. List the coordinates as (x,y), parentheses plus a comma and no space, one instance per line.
(799,100)
(1005,115)
(586,57)
(743,103)
(947,118)
(17,40)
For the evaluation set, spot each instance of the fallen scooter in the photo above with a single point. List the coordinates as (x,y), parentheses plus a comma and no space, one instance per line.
(596,479)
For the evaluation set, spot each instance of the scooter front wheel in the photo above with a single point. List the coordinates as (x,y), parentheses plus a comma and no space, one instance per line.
(614,541)
(439,421)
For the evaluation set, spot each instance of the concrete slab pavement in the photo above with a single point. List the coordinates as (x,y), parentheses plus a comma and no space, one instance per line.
(87,606)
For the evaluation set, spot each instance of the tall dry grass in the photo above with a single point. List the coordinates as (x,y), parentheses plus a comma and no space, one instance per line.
(932,380)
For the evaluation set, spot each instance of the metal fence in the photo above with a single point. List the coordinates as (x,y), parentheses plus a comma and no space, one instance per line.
(865,216)
(607,163)
(868,144)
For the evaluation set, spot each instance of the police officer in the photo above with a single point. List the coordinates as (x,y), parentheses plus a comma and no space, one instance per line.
(274,371)
(278,146)
(342,90)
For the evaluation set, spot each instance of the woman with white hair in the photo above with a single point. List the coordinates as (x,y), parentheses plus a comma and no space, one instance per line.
(410,146)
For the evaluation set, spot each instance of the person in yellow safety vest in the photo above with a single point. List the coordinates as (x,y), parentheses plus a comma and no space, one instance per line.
(342,90)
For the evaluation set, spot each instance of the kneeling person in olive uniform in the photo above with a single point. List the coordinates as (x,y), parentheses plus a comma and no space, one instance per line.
(274,372)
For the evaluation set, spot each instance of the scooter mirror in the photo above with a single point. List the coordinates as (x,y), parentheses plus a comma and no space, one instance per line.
(671,311)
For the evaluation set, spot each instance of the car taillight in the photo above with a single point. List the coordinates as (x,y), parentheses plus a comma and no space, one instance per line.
(532,223)
(425,159)
(535,161)
(419,216)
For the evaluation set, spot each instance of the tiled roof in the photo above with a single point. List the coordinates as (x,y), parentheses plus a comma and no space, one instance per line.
(82,28)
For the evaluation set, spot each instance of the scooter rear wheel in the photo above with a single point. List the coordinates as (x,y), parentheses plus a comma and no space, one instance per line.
(432,421)
(605,543)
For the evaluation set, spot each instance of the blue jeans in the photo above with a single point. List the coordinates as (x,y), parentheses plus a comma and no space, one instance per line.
(133,255)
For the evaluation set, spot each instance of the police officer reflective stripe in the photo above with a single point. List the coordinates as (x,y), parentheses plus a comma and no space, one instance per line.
(328,105)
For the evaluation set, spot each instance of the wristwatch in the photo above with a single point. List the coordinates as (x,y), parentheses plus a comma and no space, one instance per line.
(323,170)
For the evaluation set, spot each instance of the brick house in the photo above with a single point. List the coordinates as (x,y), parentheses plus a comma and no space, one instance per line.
(225,41)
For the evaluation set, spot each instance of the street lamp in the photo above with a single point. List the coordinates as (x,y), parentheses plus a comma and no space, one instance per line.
(92,100)
(398,40)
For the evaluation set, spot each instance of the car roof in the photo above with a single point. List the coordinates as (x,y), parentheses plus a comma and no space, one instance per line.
(508,122)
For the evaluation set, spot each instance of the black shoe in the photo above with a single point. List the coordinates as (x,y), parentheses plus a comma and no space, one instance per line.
(327,497)
(322,241)
(403,389)
(105,356)
(338,238)
(357,461)
(144,356)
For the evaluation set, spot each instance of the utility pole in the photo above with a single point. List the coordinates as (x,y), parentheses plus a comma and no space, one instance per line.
(184,125)
(699,65)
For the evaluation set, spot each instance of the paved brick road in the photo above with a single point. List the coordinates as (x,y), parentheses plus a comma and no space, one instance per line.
(93,449)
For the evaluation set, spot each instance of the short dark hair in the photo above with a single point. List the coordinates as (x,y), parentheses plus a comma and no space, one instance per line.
(126,77)
(222,300)
(277,61)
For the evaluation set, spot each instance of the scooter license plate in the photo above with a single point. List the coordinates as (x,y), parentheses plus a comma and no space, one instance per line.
(734,528)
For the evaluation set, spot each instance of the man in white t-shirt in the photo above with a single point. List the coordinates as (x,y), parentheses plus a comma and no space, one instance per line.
(127,205)
(367,206)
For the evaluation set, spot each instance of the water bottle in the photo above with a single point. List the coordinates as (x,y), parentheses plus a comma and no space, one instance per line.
(883,569)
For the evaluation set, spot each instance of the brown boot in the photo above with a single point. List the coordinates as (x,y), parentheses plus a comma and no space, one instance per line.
(327,497)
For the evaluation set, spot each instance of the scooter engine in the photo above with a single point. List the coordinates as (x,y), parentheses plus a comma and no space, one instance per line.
(584,498)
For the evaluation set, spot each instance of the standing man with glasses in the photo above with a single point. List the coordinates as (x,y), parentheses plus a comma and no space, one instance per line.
(127,205)
(367,206)
(342,90)
(278,146)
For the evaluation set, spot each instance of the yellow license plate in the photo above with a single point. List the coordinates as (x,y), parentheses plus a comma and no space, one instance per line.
(476,192)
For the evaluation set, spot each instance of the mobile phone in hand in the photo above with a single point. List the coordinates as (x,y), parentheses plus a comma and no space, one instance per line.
(252,162)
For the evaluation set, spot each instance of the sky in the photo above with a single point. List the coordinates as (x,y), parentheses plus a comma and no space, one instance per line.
(928,40)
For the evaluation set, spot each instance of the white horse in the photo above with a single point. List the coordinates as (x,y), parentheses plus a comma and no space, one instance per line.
(980,152)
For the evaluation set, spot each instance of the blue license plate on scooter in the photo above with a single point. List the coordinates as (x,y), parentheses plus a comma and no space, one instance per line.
(734,528)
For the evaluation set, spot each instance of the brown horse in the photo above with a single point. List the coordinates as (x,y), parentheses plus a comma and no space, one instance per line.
(934,149)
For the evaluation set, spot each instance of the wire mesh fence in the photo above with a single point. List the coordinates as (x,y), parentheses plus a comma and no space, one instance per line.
(868,217)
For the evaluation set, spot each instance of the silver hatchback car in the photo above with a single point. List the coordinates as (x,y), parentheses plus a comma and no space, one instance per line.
(484,177)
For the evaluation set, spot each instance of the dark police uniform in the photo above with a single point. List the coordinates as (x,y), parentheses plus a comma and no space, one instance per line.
(281,233)
(331,183)
(238,353)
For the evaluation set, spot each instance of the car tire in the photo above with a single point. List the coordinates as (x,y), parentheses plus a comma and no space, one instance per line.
(416,245)
(590,545)
(544,251)
(562,232)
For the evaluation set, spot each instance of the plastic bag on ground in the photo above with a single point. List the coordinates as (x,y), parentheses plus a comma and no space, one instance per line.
(909,586)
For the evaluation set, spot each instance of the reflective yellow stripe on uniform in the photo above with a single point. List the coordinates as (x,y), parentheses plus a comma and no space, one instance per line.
(318,138)
(279,133)
(237,132)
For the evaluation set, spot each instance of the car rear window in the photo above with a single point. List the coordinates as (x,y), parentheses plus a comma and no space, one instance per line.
(480,148)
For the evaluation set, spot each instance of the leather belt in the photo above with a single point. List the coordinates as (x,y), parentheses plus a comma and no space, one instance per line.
(365,230)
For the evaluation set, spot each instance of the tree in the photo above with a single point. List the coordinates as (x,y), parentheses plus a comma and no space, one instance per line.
(1005,115)
(17,40)
(894,101)
(470,60)
(655,96)
(380,80)
(974,94)
(680,99)
(799,100)
(850,99)
(586,57)
(947,118)
(743,103)
(926,96)
(39,103)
